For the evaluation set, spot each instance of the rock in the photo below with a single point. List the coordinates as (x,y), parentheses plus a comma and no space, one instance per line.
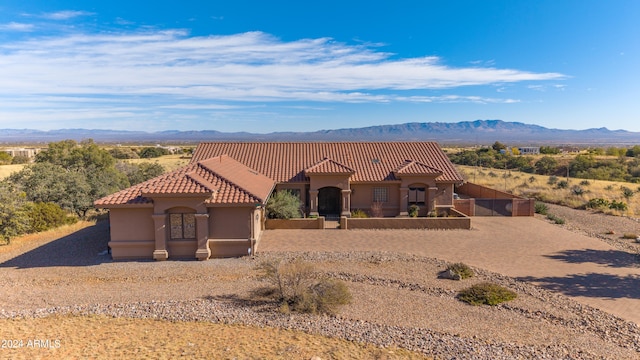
(449,274)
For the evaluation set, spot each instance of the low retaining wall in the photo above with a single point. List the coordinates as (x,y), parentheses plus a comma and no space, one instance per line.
(509,204)
(291,224)
(448,223)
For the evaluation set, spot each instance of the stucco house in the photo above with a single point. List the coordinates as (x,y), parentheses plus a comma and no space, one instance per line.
(213,207)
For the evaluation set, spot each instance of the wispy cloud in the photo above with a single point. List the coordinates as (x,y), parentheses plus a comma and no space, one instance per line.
(14,26)
(64,15)
(169,70)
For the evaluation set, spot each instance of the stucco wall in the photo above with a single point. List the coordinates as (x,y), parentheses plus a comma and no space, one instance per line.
(362,198)
(409,223)
(131,224)
(230,222)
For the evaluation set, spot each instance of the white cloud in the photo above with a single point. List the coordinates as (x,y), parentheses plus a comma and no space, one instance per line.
(14,26)
(65,14)
(168,70)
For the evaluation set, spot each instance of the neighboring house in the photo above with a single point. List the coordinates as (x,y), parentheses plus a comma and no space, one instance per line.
(529,150)
(214,206)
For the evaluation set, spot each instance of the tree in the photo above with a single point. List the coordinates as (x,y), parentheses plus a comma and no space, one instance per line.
(137,173)
(153,152)
(283,205)
(13,219)
(5,158)
(497,146)
(123,153)
(46,182)
(546,165)
(20,159)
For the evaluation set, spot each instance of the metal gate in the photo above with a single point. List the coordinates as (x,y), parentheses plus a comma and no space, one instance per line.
(493,207)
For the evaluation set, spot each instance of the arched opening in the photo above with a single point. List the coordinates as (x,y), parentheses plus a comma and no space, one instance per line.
(329,201)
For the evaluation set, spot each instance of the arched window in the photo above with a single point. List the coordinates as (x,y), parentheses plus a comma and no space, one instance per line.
(183,226)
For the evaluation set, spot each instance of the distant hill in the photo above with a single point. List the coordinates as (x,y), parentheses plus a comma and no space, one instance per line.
(464,132)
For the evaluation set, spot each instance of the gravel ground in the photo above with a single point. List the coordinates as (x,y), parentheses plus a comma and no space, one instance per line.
(397,299)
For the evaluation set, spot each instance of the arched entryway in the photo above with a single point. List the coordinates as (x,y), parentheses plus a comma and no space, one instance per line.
(329,201)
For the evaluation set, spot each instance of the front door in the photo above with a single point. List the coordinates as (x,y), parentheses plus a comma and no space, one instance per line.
(329,201)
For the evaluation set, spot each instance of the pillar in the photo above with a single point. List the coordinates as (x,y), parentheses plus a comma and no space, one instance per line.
(346,203)
(404,201)
(313,202)
(202,236)
(160,225)
(431,198)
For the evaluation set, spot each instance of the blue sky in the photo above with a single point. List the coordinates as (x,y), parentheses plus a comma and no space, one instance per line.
(263,66)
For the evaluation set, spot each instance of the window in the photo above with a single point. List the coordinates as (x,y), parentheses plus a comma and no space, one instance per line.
(417,195)
(183,226)
(380,195)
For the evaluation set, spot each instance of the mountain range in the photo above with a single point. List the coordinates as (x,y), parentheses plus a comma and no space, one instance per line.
(463,133)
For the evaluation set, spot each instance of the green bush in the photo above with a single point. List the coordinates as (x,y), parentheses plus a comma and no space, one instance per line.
(45,216)
(562,184)
(626,192)
(486,294)
(359,214)
(585,183)
(577,190)
(541,208)
(414,210)
(297,287)
(618,205)
(598,203)
(283,205)
(552,180)
(461,269)
(555,219)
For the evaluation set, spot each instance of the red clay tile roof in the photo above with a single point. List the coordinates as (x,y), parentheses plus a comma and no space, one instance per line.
(411,167)
(328,166)
(371,161)
(222,179)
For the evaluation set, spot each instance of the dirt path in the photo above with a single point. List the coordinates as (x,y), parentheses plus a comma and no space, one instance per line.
(584,268)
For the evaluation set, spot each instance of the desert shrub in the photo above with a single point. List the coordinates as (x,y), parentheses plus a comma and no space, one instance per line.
(283,205)
(492,174)
(44,216)
(297,287)
(376,210)
(357,213)
(20,159)
(552,180)
(532,179)
(541,208)
(486,294)
(618,205)
(555,219)
(630,236)
(577,190)
(563,184)
(414,210)
(461,269)
(609,187)
(152,152)
(626,192)
(598,203)
(585,183)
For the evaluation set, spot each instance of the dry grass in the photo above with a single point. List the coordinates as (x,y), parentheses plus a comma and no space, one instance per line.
(537,186)
(118,338)
(24,241)
(169,162)
(6,170)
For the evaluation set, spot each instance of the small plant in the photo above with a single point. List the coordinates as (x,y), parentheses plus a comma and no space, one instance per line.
(563,184)
(492,174)
(598,203)
(626,192)
(532,179)
(376,210)
(359,214)
(585,183)
(541,208)
(552,180)
(486,294)
(577,190)
(555,219)
(414,210)
(461,269)
(609,187)
(632,236)
(297,287)
(283,204)
(618,205)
